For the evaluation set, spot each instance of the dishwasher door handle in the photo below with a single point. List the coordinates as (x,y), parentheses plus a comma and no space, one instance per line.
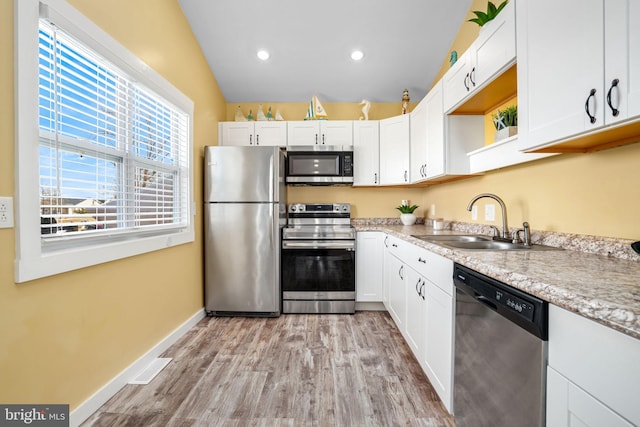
(486,301)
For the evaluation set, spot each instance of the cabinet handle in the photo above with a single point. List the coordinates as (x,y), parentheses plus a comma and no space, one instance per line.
(386,240)
(375,178)
(424,261)
(592,94)
(465,82)
(422,294)
(400,272)
(471,76)
(257,139)
(418,290)
(316,139)
(394,245)
(323,139)
(250,139)
(405,176)
(614,111)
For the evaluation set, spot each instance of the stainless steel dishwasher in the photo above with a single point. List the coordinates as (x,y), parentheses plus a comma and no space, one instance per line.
(500,353)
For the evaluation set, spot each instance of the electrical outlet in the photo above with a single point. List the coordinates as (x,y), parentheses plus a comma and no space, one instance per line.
(432,212)
(490,212)
(474,213)
(6,212)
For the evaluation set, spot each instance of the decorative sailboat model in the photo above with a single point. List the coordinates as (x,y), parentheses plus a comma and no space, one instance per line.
(315,110)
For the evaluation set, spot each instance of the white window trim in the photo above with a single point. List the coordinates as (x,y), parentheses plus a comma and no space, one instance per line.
(31,261)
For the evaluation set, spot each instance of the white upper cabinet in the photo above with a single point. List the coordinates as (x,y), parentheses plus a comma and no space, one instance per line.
(621,60)
(490,54)
(418,139)
(495,47)
(269,133)
(458,80)
(394,150)
(366,153)
(435,164)
(320,132)
(588,81)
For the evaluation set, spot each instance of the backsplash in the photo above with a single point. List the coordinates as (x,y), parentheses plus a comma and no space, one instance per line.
(605,246)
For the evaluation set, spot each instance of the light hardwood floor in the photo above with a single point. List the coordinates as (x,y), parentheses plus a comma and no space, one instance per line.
(295,370)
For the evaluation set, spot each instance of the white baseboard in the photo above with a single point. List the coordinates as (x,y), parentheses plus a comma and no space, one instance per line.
(99,398)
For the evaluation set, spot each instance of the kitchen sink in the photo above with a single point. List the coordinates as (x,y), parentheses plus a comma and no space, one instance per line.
(452,238)
(479,242)
(493,245)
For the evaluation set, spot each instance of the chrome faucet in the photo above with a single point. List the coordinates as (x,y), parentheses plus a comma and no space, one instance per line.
(505,230)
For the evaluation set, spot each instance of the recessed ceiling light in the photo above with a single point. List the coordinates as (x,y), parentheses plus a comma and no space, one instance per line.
(357,55)
(263,54)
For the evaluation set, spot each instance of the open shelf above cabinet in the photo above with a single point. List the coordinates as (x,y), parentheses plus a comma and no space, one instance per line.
(494,93)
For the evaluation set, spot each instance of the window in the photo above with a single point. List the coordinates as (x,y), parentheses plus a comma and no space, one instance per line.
(112,141)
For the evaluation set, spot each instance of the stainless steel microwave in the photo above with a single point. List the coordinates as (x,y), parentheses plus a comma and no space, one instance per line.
(322,165)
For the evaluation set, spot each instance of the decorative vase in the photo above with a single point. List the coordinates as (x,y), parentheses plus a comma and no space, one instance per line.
(507,132)
(408,218)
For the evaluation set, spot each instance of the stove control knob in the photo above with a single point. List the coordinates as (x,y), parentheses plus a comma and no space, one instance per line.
(293,209)
(344,208)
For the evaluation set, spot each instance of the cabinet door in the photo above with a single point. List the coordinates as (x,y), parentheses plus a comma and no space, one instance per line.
(438,342)
(394,150)
(622,59)
(560,63)
(570,406)
(236,133)
(456,81)
(271,133)
(395,273)
(435,165)
(495,47)
(336,132)
(418,141)
(369,266)
(303,133)
(366,153)
(414,327)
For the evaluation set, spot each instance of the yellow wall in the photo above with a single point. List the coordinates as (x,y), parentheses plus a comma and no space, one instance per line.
(65,336)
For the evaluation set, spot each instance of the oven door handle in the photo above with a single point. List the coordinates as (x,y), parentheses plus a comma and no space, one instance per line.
(349,245)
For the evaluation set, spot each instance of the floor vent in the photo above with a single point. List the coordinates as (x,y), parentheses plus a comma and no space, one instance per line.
(150,372)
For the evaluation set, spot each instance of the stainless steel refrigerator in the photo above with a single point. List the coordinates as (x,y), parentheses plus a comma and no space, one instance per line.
(244,210)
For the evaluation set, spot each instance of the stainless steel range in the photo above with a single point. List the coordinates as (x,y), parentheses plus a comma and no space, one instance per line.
(318,259)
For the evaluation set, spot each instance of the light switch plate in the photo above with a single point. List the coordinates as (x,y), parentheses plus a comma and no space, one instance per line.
(6,212)
(474,213)
(490,212)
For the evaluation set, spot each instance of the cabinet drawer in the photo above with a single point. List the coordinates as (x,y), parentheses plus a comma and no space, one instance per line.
(397,247)
(434,267)
(602,361)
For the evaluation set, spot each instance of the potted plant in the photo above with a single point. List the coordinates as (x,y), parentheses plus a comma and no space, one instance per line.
(506,122)
(407,217)
(492,11)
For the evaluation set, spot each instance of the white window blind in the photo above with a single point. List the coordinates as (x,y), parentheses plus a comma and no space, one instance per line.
(113,155)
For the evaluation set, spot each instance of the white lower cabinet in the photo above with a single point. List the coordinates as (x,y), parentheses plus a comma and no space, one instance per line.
(437,359)
(569,405)
(395,273)
(415,324)
(593,374)
(369,266)
(418,293)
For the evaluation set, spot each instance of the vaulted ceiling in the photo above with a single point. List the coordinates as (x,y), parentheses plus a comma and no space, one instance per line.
(404,44)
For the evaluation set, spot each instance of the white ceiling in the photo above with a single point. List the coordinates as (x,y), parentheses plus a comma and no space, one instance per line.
(404,42)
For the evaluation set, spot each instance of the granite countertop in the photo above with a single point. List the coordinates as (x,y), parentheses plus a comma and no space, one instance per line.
(602,288)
